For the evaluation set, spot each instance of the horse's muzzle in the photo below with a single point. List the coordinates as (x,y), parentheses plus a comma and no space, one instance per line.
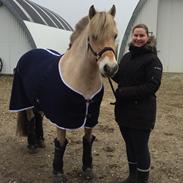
(110,71)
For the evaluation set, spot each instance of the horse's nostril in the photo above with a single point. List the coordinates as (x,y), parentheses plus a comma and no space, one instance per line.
(106,68)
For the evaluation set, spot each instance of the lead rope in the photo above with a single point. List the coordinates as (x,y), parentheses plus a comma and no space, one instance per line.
(113,91)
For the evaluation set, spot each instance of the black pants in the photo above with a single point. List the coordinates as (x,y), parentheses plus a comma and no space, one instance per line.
(137,149)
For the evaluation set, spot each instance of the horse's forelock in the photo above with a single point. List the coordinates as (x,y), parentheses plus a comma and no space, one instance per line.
(102,24)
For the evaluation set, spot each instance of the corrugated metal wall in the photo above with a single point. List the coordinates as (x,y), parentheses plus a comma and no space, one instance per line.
(13,41)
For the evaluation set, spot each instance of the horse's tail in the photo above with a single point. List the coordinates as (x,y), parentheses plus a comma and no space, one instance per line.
(21,124)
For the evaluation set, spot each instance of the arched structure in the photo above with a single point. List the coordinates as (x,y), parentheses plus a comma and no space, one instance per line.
(26,25)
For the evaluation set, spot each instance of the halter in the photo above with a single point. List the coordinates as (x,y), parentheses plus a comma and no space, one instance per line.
(100,53)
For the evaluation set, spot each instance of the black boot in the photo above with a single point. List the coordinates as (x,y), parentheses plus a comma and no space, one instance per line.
(87,158)
(142,177)
(132,174)
(58,161)
(31,136)
(39,130)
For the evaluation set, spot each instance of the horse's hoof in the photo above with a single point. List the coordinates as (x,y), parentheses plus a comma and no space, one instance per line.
(41,144)
(32,149)
(88,174)
(59,178)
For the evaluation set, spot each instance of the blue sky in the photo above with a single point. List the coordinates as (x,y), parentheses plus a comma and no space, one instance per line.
(73,10)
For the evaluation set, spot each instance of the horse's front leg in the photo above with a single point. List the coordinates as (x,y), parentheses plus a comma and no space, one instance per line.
(60,146)
(31,133)
(88,140)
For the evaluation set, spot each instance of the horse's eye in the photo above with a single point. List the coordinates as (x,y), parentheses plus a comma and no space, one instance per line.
(94,37)
(115,36)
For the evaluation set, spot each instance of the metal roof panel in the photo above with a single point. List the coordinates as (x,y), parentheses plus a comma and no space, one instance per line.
(30,11)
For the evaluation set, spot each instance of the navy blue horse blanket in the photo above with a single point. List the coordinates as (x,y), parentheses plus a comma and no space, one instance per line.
(38,83)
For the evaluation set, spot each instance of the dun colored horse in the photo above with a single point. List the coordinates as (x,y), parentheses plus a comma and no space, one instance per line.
(66,88)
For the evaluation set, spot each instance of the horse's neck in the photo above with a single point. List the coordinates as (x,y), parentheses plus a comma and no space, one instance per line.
(81,73)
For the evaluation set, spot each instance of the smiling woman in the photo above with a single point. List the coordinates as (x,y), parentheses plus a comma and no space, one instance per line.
(138,79)
(140,35)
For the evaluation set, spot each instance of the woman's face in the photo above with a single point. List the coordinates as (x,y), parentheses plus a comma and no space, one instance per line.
(139,37)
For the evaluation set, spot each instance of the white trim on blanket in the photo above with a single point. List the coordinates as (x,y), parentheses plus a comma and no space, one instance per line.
(82,126)
(23,109)
(51,52)
(69,129)
(73,88)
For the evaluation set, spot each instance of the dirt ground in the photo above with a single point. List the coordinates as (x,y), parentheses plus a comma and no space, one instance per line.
(109,158)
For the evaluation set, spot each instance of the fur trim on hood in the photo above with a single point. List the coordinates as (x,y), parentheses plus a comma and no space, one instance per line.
(151,44)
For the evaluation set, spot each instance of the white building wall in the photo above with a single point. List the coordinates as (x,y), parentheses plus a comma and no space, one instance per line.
(49,37)
(169,34)
(13,40)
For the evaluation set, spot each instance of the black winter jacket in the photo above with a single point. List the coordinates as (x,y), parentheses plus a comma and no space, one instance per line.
(138,78)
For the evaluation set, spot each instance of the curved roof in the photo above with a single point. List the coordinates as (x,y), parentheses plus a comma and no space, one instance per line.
(26,10)
(30,11)
(129,27)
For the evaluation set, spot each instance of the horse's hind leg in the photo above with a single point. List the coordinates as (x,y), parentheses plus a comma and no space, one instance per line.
(88,140)
(39,129)
(60,146)
(31,134)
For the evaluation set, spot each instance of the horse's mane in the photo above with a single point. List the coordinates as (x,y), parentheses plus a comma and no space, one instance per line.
(79,27)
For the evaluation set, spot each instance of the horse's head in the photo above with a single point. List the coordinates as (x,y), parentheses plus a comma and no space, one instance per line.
(102,34)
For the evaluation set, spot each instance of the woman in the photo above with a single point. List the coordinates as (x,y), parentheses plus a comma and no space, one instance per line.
(138,79)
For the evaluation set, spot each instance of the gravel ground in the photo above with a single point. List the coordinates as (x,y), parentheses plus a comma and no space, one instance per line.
(109,158)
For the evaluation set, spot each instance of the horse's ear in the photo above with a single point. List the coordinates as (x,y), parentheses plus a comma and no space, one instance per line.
(113,10)
(92,11)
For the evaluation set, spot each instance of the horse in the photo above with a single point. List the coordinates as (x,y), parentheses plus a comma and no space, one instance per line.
(66,88)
